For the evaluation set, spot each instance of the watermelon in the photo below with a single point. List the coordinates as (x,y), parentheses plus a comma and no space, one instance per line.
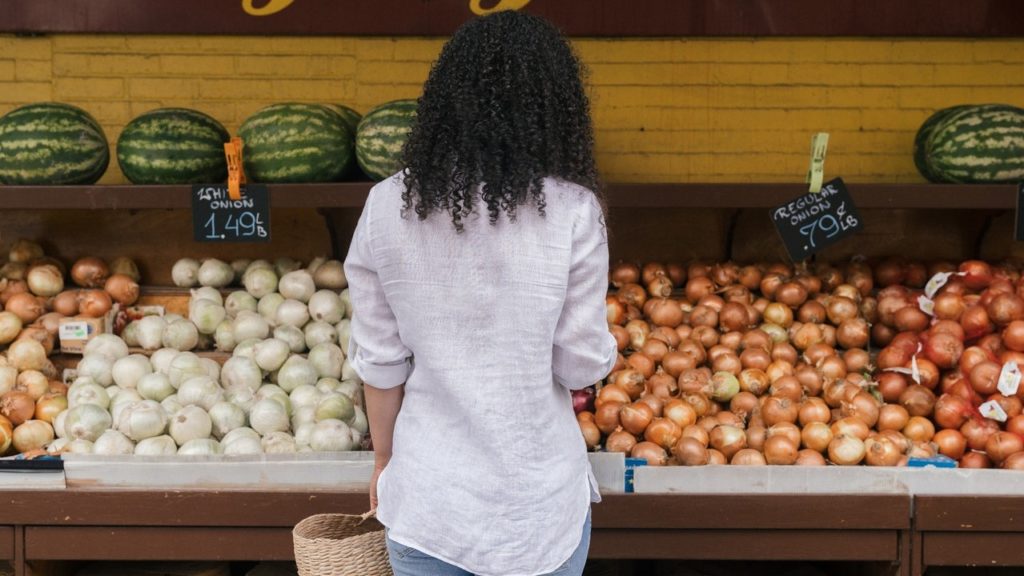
(921,140)
(296,143)
(173,146)
(381,135)
(51,143)
(973,144)
(351,119)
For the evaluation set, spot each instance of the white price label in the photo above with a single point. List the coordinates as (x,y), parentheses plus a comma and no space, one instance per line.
(926,304)
(73,331)
(1009,379)
(993,411)
(938,281)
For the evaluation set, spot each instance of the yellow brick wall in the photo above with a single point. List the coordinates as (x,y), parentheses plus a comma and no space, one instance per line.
(670,110)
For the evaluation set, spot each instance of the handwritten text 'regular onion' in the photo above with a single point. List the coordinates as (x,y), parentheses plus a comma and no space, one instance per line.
(806,206)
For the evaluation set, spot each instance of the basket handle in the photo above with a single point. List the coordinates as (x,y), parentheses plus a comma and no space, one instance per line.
(367,515)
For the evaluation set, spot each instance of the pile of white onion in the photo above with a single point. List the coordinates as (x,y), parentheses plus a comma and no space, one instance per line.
(177,402)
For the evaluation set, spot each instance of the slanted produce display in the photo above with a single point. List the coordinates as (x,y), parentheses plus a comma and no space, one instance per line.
(286,386)
(813,365)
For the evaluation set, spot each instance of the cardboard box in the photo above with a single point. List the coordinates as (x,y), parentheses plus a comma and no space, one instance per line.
(75,332)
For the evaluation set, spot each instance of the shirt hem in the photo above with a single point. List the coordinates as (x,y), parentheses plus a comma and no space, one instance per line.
(591,489)
(443,558)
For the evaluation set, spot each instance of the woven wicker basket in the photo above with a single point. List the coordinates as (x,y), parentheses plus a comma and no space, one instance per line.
(341,545)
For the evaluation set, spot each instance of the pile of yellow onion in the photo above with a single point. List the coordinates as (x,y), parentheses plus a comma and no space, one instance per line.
(775,364)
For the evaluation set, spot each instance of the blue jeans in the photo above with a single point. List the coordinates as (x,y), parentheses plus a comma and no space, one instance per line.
(408,561)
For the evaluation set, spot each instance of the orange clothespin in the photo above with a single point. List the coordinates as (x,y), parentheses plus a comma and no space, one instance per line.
(236,174)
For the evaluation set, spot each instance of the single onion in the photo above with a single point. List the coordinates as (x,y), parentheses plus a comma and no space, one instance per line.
(977,431)
(95,303)
(1003,309)
(950,443)
(846,450)
(620,441)
(45,280)
(748,457)
(816,436)
(881,451)
(892,417)
(1013,336)
(90,272)
(975,460)
(984,377)
(851,426)
(25,306)
(724,386)
(951,411)
(653,453)
(636,417)
(780,450)
(919,429)
(775,410)
(624,273)
(122,289)
(1002,445)
(864,406)
(607,416)
(1016,425)
(1014,461)
(126,266)
(591,435)
(943,349)
(32,435)
(918,400)
(691,452)
(663,432)
(680,412)
(17,406)
(728,439)
(814,410)
(808,457)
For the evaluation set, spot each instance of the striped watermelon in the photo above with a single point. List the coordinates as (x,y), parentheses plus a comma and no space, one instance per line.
(351,119)
(972,144)
(381,135)
(173,146)
(921,141)
(296,143)
(51,143)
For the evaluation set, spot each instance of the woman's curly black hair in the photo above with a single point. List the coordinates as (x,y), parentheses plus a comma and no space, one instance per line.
(504,107)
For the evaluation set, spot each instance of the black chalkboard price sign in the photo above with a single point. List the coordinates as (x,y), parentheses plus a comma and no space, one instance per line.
(218,218)
(815,220)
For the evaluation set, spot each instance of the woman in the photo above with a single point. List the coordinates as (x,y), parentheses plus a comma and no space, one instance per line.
(477,278)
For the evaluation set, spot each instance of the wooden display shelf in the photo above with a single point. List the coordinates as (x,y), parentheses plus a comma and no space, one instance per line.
(624,195)
(853,527)
(968,531)
(93,524)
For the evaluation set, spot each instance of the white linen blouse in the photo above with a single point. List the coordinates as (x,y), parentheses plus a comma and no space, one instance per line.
(489,330)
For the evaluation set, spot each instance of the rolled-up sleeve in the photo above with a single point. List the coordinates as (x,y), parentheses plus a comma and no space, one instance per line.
(375,348)
(585,351)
